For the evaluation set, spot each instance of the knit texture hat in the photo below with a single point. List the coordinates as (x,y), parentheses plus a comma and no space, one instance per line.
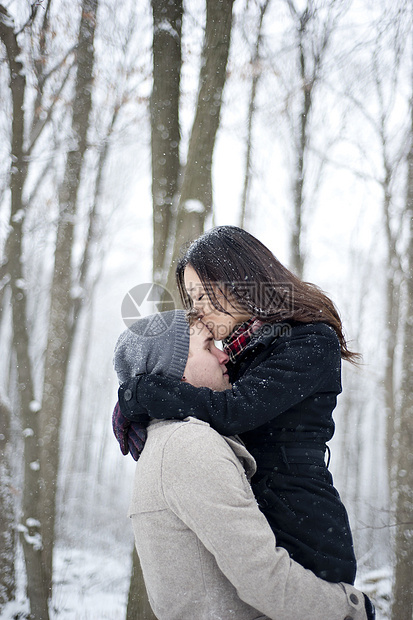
(155,344)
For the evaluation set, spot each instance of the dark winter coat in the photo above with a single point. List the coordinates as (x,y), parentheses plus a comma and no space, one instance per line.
(281,403)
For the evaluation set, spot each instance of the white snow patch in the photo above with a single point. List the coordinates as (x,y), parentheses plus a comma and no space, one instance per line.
(20,283)
(35,406)
(16,609)
(36,539)
(76,292)
(18,216)
(34,465)
(166,26)
(194,206)
(377,584)
(28,432)
(7,20)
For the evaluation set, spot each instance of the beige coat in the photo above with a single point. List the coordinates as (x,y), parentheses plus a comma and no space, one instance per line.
(206,550)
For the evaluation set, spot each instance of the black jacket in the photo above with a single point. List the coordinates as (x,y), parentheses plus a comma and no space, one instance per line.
(285,388)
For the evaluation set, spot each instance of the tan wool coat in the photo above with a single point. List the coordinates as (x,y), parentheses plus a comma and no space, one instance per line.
(206,550)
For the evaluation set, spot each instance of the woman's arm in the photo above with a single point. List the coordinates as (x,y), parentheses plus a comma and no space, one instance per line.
(299,365)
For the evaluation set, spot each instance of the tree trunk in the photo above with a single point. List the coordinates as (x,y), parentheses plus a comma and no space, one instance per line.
(403,592)
(31,528)
(165,139)
(312,44)
(61,305)
(7,539)
(195,202)
(138,604)
(301,143)
(256,74)
(392,317)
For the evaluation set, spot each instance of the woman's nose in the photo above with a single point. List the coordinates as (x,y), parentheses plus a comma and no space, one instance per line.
(198,309)
(202,306)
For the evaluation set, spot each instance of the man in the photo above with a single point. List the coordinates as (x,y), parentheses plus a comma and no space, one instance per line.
(206,550)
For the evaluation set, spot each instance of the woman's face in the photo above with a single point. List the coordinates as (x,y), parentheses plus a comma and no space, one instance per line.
(220,324)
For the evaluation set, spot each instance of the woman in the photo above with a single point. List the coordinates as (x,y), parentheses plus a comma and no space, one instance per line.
(285,342)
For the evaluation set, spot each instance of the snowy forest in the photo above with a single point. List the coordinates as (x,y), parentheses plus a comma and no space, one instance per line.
(127,129)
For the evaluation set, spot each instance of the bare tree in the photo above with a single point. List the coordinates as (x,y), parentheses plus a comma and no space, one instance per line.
(384,85)
(165,142)
(402,606)
(138,603)
(314,25)
(195,198)
(394,138)
(180,207)
(7,537)
(60,331)
(12,272)
(31,127)
(165,129)
(256,74)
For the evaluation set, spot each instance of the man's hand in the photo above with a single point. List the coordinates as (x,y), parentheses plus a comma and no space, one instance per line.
(131,436)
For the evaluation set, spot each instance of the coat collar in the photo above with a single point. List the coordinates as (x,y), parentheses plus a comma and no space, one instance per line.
(234,442)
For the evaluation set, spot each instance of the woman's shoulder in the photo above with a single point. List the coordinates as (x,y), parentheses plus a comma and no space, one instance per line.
(288,338)
(318,329)
(302,334)
(294,329)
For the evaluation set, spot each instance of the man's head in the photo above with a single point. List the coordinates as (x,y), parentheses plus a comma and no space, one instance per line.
(206,363)
(164,343)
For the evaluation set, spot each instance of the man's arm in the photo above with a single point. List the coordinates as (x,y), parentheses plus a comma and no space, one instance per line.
(205,486)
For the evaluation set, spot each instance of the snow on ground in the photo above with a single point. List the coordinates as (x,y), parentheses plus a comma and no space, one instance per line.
(377,585)
(91,585)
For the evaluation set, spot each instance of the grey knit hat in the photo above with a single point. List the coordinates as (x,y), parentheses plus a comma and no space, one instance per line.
(155,344)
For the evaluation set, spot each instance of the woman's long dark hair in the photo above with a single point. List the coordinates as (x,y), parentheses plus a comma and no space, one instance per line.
(246,272)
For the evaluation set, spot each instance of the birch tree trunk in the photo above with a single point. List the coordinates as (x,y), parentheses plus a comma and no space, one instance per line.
(391,328)
(7,538)
(31,527)
(195,195)
(296,251)
(165,130)
(256,74)
(313,36)
(165,141)
(195,201)
(138,603)
(403,592)
(60,331)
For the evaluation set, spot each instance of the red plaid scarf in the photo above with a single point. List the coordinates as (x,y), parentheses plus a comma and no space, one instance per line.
(238,340)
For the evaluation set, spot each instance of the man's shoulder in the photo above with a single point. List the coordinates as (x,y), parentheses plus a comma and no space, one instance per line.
(178,430)
(188,436)
(174,450)
(189,443)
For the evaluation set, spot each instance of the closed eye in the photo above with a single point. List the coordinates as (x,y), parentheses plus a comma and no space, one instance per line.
(208,344)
